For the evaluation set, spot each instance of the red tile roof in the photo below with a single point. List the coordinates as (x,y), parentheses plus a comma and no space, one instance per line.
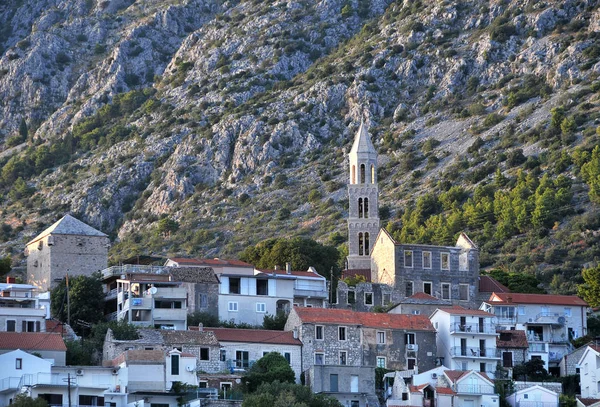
(551,299)
(210,262)
(297,273)
(255,336)
(414,389)
(589,402)
(366,273)
(367,319)
(455,375)
(489,284)
(422,296)
(444,390)
(32,341)
(518,339)
(458,310)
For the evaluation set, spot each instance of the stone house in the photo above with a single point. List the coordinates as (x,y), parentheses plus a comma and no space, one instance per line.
(341,348)
(513,348)
(70,247)
(364,297)
(569,365)
(450,273)
(419,304)
(202,286)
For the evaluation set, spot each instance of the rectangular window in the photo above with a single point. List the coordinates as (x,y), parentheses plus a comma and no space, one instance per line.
(387,299)
(482,367)
(343,357)
(19,364)
(409,288)
(319,332)
(28,326)
(333,383)
(427,288)
(288,357)
(354,383)
(416,312)
(222,355)
(262,287)
(203,384)
(261,307)
(409,338)
(174,365)
(242,359)
(204,354)
(426,260)
(232,306)
(342,333)
(408,258)
(381,337)
(11,326)
(203,301)
(463,292)
(567,312)
(521,310)
(234,285)
(445,261)
(445,291)
(381,361)
(355,403)
(351,297)
(225,388)
(319,358)
(507,360)
(410,363)
(368,298)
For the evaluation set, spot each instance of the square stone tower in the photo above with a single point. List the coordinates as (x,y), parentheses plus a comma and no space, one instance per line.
(67,247)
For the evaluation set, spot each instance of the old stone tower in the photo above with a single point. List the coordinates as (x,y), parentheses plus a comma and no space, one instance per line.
(363,214)
(68,246)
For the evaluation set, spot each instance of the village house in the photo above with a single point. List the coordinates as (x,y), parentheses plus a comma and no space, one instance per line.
(550,321)
(513,348)
(466,339)
(68,247)
(48,345)
(589,373)
(534,395)
(341,349)
(419,304)
(466,389)
(364,296)
(21,310)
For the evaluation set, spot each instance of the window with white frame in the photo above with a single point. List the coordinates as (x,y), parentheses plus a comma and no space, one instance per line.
(381,362)
(368,298)
(445,260)
(408,258)
(409,338)
(343,357)
(232,306)
(521,310)
(381,337)
(426,260)
(386,299)
(319,332)
(261,307)
(445,291)
(409,290)
(567,312)
(342,333)
(416,312)
(319,358)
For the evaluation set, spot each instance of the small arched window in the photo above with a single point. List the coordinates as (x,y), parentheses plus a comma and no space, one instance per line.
(372,174)
(360,207)
(362,173)
(366,207)
(366,243)
(360,244)
(354,174)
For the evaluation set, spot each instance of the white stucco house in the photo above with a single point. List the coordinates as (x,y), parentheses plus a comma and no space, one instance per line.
(589,372)
(534,395)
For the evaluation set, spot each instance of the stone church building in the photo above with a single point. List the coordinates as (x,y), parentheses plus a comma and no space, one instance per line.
(70,247)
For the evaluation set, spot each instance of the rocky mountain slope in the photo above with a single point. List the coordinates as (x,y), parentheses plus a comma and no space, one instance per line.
(198,127)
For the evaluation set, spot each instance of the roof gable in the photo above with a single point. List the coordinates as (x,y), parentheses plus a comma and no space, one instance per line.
(595,350)
(362,141)
(456,376)
(68,225)
(544,299)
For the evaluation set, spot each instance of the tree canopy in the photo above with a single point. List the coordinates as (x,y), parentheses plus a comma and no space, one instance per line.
(86,298)
(277,394)
(22,400)
(273,366)
(300,252)
(5,265)
(590,289)
(517,282)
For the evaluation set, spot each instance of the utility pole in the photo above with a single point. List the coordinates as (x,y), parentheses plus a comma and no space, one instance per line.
(68,380)
(68,314)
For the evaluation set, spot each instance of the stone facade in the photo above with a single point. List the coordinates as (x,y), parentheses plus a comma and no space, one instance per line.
(569,363)
(363,213)
(364,297)
(67,247)
(446,272)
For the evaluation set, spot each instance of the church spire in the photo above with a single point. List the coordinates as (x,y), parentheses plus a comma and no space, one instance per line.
(362,141)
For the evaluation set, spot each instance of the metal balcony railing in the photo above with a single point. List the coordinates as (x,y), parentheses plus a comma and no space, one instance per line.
(474,389)
(9,383)
(538,347)
(131,268)
(475,352)
(474,328)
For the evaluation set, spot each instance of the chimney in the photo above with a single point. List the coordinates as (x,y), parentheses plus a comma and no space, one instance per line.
(288,268)
(11,280)
(201,327)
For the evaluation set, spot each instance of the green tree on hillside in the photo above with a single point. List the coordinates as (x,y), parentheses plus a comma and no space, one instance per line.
(5,265)
(277,394)
(590,289)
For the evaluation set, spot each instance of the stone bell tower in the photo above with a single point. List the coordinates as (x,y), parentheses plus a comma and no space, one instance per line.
(363,213)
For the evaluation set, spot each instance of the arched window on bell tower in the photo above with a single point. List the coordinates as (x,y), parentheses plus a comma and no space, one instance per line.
(354,174)
(372,174)
(366,207)
(360,244)
(360,207)
(366,243)
(362,173)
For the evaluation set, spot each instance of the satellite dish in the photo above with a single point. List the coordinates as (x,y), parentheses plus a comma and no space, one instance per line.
(561,320)
(153,290)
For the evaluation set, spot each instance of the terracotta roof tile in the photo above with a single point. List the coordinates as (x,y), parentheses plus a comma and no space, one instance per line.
(255,336)
(517,339)
(368,319)
(454,375)
(32,341)
(366,273)
(414,389)
(489,284)
(551,299)
(589,402)
(458,310)
(444,390)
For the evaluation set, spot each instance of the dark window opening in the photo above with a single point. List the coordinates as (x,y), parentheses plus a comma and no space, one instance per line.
(204,354)
(234,285)
(262,287)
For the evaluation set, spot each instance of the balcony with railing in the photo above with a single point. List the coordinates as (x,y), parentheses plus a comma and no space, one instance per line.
(473,328)
(170,314)
(474,389)
(48,379)
(529,403)
(305,289)
(9,383)
(137,303)
(475,352)
(538,347)
(552,318)
(117,271)
(239,364)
